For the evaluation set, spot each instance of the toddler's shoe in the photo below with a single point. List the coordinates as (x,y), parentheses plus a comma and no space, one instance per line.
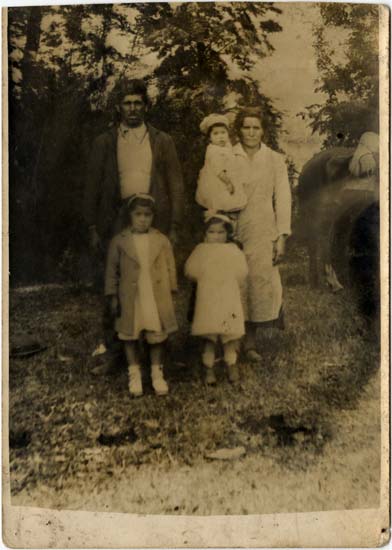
(135,381)
(210,378)
(253,356)
(158,382)
(233,373)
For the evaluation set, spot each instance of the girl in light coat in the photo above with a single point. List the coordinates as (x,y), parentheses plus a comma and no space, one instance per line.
(140,277)
(219,268)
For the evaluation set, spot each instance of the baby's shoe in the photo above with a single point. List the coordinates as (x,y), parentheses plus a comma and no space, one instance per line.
(158,382)
(233,373)
(135,381)
(253,356)
(210,378)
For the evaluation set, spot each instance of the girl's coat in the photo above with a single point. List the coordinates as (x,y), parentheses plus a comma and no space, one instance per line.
(219,269)
(122,274)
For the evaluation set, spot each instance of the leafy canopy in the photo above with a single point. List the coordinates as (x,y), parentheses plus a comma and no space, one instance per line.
(348,73)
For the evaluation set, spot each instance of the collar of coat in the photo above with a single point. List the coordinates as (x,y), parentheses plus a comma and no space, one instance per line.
(156,242)
(153,133)
(238,150)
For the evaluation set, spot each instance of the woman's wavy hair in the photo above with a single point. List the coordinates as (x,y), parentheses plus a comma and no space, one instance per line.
(253,112)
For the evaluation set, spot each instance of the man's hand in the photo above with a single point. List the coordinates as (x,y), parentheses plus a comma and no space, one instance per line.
(94,240)
(114,306)
(173,236)
(279,249)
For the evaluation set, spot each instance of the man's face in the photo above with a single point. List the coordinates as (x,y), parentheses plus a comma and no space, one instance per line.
(132,110)
(251,132)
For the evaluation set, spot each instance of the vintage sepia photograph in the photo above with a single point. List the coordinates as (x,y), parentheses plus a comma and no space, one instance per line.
(198,278)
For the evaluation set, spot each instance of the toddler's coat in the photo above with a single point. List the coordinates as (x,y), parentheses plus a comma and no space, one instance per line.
(219,269)
(122,274)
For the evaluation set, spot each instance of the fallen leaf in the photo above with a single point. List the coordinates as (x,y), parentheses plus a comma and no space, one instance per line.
(227,454)
(151,424)
(99,350)
(64,358)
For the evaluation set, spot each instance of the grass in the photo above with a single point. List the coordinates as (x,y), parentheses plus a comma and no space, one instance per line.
(81,427)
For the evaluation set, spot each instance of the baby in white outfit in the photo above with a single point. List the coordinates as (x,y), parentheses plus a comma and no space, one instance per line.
(219,186)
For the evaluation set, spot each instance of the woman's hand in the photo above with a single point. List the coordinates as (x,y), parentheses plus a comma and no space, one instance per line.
(227,181)
(114,306)
(94,240)
(279,248)
(173,236)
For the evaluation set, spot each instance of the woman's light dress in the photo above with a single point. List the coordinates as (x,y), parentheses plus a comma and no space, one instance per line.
(266,216)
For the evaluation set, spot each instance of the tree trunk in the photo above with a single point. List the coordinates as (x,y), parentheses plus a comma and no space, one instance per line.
(33,34)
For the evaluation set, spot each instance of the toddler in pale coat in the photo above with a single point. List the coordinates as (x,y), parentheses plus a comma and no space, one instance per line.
(219,267)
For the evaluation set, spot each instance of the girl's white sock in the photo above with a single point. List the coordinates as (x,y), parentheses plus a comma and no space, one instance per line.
(230,356)
(208,358)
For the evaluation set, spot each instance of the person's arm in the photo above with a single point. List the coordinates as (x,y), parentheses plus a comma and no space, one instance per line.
(112,277)
(218,161)
(192,265)
(241,264)
(171,264)
(93,178)
(112,272)
(176,186)
(282,205)
(365,158)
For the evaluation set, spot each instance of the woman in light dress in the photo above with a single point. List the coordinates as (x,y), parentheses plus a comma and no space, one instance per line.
(263,225)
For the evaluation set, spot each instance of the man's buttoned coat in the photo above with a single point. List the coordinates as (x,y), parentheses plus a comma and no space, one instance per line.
(102,193)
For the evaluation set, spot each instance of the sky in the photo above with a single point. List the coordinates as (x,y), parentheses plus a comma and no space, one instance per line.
(289,78)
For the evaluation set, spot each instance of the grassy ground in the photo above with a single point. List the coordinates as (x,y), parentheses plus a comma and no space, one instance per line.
(307,417)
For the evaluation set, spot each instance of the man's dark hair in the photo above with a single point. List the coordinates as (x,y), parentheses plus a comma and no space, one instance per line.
(133,86)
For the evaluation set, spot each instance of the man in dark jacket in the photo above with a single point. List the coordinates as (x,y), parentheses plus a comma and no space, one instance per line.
(133,157)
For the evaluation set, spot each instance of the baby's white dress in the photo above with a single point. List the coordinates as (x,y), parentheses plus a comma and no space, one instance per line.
(212,193)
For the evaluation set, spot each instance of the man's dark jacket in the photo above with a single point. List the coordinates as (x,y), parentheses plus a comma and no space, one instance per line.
(102,197)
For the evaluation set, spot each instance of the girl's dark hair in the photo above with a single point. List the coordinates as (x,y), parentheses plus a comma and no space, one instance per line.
(141,201)
(226,225)
(218,124)
(252,112)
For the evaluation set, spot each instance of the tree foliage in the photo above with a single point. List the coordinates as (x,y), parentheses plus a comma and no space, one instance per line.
(64,61)
(348,73)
